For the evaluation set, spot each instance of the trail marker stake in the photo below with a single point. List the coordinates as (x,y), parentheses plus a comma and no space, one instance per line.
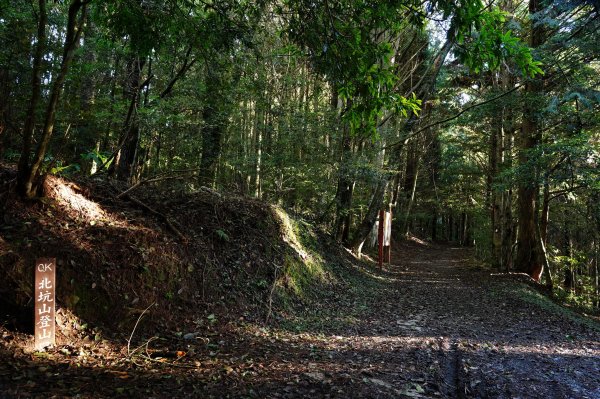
(45,309)
(380,237)
(387,238)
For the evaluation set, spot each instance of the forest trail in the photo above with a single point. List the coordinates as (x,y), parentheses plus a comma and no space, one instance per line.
(431,325)
(441,328)
(490,338)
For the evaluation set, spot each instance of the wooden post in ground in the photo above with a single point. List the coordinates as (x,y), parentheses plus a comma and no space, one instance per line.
(45,310)
(388,238)
(380,236)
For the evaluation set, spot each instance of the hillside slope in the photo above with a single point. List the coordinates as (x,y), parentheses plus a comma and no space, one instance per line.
(185,254)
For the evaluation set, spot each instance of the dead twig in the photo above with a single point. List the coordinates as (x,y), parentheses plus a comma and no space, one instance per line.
(270,302)
(135,327)
(144,345)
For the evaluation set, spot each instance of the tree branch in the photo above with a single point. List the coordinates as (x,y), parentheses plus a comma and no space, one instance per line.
(453,117)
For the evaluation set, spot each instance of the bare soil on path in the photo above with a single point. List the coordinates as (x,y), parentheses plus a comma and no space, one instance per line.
(432,325)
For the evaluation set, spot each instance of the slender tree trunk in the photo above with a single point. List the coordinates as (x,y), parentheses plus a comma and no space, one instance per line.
(74,26)
(87,95)
(123,165)
(495,195)
(112,94)
(410,184)
(376,203)
(464,228)
(508,228)
(545,212)
(212,135)
(24,169)
(257,169)
(5,92)
(544,260)
(215,116)
(595,211)
(596,269)
(345,186)
(370,217)
(568,251)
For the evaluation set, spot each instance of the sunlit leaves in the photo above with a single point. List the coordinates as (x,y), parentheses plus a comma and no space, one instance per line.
(490,44)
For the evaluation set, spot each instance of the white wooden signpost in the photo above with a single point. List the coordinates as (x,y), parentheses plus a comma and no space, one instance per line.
(45,309)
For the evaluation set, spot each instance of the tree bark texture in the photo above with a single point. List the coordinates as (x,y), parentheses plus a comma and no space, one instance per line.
(370,217)
(36,81)
(495,195)
(125,159)
(528,259)
(345,188)
(215,116)
(30,182)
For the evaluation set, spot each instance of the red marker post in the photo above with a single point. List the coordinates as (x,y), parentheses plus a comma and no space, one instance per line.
(45,309)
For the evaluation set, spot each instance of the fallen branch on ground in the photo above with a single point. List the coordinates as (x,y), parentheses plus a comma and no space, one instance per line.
(157,213)
(161,177)
(166,219)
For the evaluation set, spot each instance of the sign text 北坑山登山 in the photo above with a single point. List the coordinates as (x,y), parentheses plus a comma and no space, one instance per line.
(44,312)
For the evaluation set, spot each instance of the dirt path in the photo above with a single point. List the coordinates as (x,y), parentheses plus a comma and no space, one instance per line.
(430,326)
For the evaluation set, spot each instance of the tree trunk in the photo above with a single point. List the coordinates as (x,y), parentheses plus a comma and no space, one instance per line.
(464,229)
(495,195)
(544,260)
(24,169)
(257,168)
(345,188)
(410,185)
(508,229)
(527,259)
(212,134)
(545,212)
(215,115)
(123,165)
(5,92)
(595,211)
(31,182)
(370,218)
(596,271)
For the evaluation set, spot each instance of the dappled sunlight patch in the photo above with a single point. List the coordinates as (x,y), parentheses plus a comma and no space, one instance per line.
(303,267)
(76,342)
(418,241)
(290,230)
(340,340)
(434,282)
(380,277)
(74,203)
(591,350)
(529,295)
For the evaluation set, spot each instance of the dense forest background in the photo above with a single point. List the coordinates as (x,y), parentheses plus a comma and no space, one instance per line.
(474,122)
